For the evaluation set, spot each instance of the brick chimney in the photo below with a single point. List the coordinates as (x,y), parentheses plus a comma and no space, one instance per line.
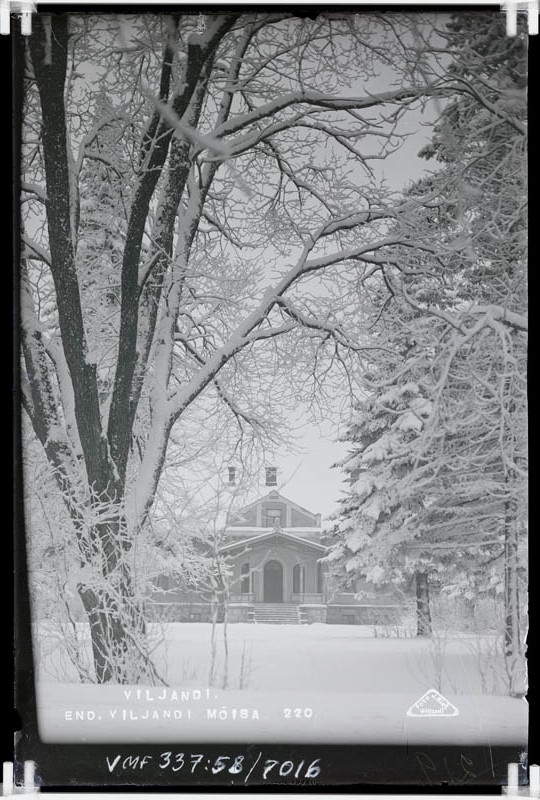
(271,476)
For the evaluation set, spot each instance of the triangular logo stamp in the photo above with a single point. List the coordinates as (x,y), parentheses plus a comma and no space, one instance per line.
(432,704)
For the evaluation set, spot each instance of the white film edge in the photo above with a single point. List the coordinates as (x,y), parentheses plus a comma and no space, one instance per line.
(273,393)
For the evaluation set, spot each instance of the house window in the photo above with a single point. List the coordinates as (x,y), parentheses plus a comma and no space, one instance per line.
(273,518)
(231,475)
(299,579)
(245,587)
(271,476)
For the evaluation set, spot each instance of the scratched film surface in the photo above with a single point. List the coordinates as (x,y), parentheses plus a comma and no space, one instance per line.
(273,328)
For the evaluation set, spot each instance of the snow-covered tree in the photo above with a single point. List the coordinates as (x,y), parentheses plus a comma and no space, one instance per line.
(379,518)
(189,183)
(481,142)
(465,285)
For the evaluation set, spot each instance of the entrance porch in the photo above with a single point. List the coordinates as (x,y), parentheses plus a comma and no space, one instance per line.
(276,567)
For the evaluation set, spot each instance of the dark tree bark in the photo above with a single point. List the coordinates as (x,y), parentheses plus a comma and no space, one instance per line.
(115,617)
(512,634)
(423,611)
(156,146)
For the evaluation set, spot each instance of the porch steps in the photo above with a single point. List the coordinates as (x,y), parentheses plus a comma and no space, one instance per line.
(276,614)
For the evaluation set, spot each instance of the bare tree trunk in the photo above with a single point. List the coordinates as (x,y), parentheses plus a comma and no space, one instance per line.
(214,611)
(115,614)
(118,634)
(116,619)
(423,612)
(512,635)
(225,601)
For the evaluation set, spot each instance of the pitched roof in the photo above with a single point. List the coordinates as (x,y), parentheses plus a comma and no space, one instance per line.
(275,534)
(273,495)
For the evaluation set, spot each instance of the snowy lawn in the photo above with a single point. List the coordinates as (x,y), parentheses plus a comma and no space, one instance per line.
(313,683)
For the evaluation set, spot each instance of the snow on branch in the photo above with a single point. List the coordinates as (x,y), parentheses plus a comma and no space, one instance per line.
(240,415)
(320,325)
(35,189)
(320,100)
(203,141)
(350,253)
(494,108)
(351,221)
(222,229)
(35,250)
(498,313)
(270,332)
(249,329)
(56,354)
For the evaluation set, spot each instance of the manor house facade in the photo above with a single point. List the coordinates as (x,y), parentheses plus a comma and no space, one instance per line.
(273,548)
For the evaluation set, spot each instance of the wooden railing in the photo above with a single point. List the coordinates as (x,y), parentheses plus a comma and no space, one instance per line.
(307,597)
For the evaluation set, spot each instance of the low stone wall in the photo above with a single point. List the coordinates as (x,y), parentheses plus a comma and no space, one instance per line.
(363,614)
(240,612)
(333,614)
(196,612)
(312,613)
(178,612)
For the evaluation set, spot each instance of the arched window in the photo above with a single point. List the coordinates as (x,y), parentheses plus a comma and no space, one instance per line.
(299,579)
(246,575)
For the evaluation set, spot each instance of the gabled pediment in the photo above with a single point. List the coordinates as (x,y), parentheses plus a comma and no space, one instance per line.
(259,512)
(275,538)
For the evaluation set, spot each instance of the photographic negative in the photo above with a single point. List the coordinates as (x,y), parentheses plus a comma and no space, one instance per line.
(273,387)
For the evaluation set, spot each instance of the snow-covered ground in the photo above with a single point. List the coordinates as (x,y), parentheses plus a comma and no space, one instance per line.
(313,683)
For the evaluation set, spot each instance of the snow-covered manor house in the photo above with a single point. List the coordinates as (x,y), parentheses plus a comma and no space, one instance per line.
(273,548)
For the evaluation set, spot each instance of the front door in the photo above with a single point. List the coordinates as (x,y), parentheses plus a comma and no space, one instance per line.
(273,582)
